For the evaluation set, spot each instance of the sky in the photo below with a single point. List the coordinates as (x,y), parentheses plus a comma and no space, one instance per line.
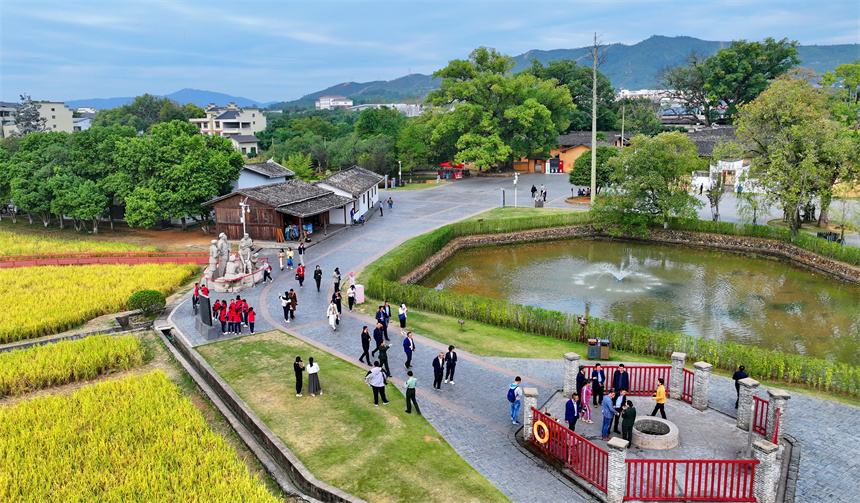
(280,50)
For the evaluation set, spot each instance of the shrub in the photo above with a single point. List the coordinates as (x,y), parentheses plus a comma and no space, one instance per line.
(147,301)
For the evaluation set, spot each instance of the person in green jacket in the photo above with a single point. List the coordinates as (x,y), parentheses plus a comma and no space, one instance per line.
(628,417)
(410,394)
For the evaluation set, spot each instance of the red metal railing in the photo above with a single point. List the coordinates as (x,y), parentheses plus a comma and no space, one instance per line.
(690,480)
(104,258)
(689,383)
(643,379)
(775,438)
(759,419)
(584,458)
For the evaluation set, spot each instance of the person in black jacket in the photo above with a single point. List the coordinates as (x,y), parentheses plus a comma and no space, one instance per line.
(450,364)
(318,277)
(620,378)
(438,367)
(737,376)
(378,337)
(365,345)
(581,379)
(598,380)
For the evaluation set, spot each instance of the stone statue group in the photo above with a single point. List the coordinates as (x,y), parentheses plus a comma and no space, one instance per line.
(224,265)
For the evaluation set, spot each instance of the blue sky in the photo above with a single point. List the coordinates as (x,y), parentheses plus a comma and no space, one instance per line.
(281,50)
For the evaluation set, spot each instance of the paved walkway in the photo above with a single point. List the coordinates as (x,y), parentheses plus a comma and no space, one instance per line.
(473,415)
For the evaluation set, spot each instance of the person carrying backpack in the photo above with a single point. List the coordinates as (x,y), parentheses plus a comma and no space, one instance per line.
(515,396)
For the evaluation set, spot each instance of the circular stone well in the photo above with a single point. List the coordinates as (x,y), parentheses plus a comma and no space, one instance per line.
(655,433)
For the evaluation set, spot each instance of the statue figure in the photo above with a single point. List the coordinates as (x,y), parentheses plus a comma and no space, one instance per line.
(233,268)
(245,253)
(223,254)
(213,256)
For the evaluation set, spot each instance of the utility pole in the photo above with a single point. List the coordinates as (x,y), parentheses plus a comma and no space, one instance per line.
(594,51)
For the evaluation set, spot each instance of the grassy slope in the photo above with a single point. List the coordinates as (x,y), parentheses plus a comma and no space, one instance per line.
(380,454)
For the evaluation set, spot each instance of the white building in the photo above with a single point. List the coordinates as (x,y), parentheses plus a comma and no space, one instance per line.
(256,174)
(408,110)
(238,124)
(356,183)
(58,117)
(332,101)
(81,123)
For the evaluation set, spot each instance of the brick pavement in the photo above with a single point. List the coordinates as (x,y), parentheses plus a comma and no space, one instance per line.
(473,414)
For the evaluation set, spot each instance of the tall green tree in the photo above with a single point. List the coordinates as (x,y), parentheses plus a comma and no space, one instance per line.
(797,151)
(27,117)
(381,121)
(844,83)
(581,172)
(503,116)
(638,116)
(30,169)
(686,84)
(300,164)
(649,181)
(145,111)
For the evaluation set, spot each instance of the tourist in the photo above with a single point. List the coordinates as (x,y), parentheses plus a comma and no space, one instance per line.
(411,382)
(378,337)
(620,400)
(331,313)
(660,398)
(620,378)
(390,202)
(365,346)
(215,308)
(544,195)
(515,395)
(195,299)
(313,378)
(335,276)
(450,364)
(401,315)
(318,277)
(251,318)
(534,190)
(294,303)
(380,207)
(285,305)
(281,256)
(301,250)
(628,418)
(598,378)
(572,409)
(352,216)
(298,367)
(376,379)
(350,296)
(267,272)
(581,379)
(408,348)
(289,258)
(585,396)
(382,321)
(222,317)
(338,301)
(438,368)
(608,413)
(300,275)
(737,376)
(383,357)
(237,320)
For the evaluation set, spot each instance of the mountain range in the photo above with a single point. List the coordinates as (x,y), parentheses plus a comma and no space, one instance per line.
(627,66)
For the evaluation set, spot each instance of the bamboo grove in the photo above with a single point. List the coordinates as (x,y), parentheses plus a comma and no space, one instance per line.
(382,282)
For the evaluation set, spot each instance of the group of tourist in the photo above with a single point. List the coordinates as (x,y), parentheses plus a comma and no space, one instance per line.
(313,370)
(234,315)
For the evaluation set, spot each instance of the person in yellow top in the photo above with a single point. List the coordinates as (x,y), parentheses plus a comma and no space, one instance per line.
(660,398)
(289,258)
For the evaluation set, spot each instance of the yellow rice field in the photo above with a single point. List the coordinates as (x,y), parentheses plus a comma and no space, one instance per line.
(26,370)
(13,243)
(45,300)
(134,439)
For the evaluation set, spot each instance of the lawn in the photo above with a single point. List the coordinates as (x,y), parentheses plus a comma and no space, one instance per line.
(411,186)
(511,212)
(380,454)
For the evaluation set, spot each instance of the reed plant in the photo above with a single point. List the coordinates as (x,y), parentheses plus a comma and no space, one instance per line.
(15,244)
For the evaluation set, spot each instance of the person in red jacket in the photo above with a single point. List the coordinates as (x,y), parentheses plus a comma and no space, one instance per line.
(222,317)
(251,318)
(300,275)
(205,291)
(237,318)
(215,308)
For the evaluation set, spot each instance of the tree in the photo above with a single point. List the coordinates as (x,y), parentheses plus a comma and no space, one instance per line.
(581,172)
(648,180)
(715,193)
(502,117)
(796,150)
(379,121)
(844,83)
(740,72)
(640,116)
(750,205)
(300,164)
(414,142)
(686,84)
(30,169)
(145,111)
(28,118)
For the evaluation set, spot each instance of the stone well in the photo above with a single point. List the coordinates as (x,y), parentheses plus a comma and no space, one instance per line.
(655,433)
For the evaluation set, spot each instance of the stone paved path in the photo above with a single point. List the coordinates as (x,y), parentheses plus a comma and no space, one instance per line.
(473,415)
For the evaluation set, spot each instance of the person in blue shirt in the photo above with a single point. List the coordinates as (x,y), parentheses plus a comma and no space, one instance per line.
(408,348)
(608,410)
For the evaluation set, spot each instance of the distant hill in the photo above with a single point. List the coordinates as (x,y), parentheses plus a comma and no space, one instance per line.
(628,67)
(184,96)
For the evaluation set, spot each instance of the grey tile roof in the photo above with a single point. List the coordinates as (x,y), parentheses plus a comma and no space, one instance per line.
(278,194)
(228,115)
(269,169)
(355,180)
(708,138)
(315,206)
(244,138)
(584,138)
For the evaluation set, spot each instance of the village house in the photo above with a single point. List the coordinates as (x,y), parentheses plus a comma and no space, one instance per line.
(255,174)
(357,183)
(569,148)
(238,124)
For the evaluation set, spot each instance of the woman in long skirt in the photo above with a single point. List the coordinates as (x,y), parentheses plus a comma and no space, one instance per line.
(402,316)
(313,378)
(298,367)
(331,312)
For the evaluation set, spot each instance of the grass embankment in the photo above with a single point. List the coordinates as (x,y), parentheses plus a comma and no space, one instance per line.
(135,439)
(380,454)
(412,186)
(511,212)
(44,300)
(23,371)
(15,243)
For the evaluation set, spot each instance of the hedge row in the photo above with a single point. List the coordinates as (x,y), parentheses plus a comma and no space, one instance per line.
(381,281)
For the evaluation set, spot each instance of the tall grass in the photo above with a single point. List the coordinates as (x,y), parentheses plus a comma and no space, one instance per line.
(381,281)
(13,243)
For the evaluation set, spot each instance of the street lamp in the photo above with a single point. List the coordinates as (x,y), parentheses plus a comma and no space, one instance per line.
(399,171)
(246,208)
(516,176)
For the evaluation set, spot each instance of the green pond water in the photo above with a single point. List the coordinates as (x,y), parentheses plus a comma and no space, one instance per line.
(754,301)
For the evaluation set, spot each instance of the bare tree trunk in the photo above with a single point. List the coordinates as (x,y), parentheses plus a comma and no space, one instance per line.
(46,217)
(96,221)
(62,221)
(823,220)
(184,226)
(30,216)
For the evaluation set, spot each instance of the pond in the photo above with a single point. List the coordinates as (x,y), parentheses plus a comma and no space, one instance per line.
(704,293)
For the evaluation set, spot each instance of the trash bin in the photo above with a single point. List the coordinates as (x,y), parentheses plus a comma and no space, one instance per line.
(593,350)
(604,348)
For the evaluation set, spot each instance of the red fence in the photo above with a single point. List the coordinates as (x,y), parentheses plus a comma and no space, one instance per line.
(693,480)
(584,458)
(759,419)
(105,258)
(775,437)
(643,380)
(689,382)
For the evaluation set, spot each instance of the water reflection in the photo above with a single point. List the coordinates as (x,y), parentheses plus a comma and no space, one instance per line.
(697,292)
